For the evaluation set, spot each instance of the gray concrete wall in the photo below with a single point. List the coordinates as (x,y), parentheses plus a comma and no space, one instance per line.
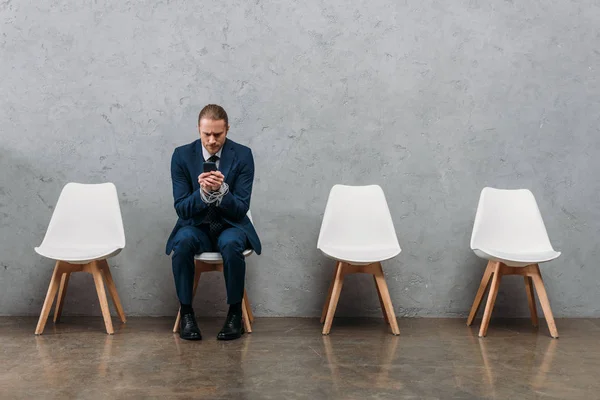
(432,100)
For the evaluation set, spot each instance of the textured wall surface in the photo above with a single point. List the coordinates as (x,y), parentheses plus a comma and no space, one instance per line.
(431,100)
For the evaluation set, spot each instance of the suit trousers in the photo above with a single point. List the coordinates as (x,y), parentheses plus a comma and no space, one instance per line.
(192,240)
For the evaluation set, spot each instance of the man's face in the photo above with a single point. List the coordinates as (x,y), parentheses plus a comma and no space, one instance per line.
(212,134)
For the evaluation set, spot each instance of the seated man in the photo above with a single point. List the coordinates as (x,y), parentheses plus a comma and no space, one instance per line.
(212,208)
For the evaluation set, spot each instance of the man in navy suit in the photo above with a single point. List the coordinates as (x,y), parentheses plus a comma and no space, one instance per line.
(212,208)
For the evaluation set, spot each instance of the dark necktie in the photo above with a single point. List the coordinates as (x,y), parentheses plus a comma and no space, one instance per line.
(215,223)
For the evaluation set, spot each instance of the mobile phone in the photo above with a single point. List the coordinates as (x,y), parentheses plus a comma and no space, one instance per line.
(209,166)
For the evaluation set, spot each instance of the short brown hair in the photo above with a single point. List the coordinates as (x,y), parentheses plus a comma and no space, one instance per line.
(214,112)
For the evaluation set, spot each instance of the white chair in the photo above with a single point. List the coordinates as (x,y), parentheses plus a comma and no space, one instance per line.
(509,232)
(357,231)
(86,228)
(212,262)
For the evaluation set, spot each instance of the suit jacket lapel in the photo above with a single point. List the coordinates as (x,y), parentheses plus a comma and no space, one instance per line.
(227,157)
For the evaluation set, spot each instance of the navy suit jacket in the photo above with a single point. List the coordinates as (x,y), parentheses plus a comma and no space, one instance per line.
(237,165)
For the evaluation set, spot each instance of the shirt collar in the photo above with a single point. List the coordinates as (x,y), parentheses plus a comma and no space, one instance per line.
(207,155)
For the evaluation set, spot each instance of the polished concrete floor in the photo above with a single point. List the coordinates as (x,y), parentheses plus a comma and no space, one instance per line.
(287,358)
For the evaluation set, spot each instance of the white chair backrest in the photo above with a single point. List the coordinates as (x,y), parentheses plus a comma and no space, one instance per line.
(86,215)
(357,216)
(509,220)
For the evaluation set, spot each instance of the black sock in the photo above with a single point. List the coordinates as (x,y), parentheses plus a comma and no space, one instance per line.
(186,308)
(237,307)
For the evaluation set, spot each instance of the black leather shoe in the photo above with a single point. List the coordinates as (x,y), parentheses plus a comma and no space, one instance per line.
(188,328)
(233,326)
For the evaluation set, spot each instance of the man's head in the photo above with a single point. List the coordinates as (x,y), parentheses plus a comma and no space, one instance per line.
(213,125)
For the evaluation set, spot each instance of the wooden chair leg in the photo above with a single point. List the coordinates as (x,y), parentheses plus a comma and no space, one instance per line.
(480,292)
(60,299)
(544,301)
(491,300)
(326,305)
(177,321)
(248,307)
(246,318)
(112,289)
(531,300)
(196,281)
(385,316)
(338,282)
(52,289)
(99,282)
(387,300)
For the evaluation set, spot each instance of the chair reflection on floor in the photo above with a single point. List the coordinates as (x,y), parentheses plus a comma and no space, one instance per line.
(538,379)
(382,380)
(50,359)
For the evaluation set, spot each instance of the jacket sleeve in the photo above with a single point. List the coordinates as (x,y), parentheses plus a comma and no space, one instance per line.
(236,203)
(188,203)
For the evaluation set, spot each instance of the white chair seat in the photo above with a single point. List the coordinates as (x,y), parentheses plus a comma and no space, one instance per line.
(507,224)
(78,255)
(517,259)
(357,226)
(360,255)
(215,257)
(86,225)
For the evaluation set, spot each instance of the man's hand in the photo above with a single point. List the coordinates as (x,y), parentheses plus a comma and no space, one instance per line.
(211,181)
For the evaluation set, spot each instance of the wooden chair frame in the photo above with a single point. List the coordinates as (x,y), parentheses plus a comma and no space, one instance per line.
(201,266)
(533,278)
(342,269)
(60,281)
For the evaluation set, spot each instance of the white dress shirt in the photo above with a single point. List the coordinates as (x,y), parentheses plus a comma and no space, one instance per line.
(207,155)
